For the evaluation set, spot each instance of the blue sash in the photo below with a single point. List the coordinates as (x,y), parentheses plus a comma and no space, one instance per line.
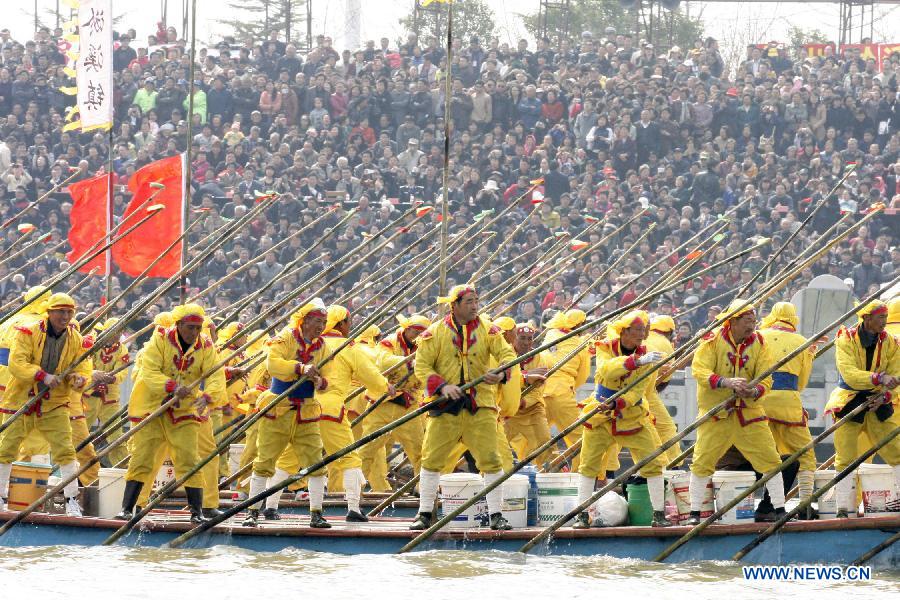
(843,385)
(4,357)
(303,391)
(782,380)
(604,392)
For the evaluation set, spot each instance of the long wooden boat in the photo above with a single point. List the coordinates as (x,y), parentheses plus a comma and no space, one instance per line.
(828,541)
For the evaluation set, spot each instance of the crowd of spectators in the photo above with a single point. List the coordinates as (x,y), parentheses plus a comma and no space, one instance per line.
(612,125)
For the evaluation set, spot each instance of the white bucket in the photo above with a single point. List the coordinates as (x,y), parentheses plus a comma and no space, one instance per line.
(678,496)
(234,457)
(879,490)
(165,475)
(557,496)
(828,500)
(729,484)
(112,489)
(515,501)
(457,488)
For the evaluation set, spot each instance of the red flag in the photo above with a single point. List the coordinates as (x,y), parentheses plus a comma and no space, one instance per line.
(89,219)
(137,250)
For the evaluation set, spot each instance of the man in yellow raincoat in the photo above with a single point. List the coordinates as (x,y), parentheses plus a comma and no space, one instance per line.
(393,350)
(351,364)
(102,400)
(452,352)
(172,360)
(294,422)
(228,339)
(527,429)
(893,320)
(624,421)
(662,332)
(41,351)
(561,387)
(783,406)
(868,361)
(728,359)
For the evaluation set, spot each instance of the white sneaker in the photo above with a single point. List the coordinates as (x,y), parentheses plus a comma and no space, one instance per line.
(73,509)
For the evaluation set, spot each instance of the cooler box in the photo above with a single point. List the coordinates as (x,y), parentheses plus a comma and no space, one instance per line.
(27,483)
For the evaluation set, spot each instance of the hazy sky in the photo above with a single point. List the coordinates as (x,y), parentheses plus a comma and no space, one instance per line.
(731,21)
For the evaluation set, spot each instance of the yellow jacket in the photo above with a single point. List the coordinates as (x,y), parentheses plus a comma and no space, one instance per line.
(850,357)
(615,371)
(574,373)
(536,395)
(25,372)
(395,347)
(163,367)
(351,364)
(657,342)
(287,353)
(443,357)
(7,334)
(234,386)
(782,404)
(258,381)
(719,357)
(108,359)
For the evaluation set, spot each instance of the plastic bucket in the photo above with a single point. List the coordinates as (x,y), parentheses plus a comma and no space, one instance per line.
(112,489)
(234,457)
(828,501)
(456,488)
(678,496)
(530,471)
(515,501)
(557,495)
(640,511)
(879,491)
(27,483)
(729,484)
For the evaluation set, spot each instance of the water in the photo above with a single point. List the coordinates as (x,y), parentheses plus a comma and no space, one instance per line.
(69,572)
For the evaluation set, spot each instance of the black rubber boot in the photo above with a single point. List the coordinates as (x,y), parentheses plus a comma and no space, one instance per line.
(317,521)
(423,521)
(252,518)
(694,518)
(499,522)
(195,503)
(659,519)
(810,514)
(129,499)
(211,513)
(271,514)
(842,513)
(356,517)
(582,521)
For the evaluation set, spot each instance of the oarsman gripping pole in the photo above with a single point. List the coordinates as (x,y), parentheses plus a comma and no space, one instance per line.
(693,426)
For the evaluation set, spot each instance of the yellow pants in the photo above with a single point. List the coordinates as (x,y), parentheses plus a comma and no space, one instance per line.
(373,455)
(503,449)
(218,418)
(335,436)
(477,432)
(790,438)
(247,456)
(527,431)
(85,455)
(665,427)
(54,425)
(597,441)
(848,444)
(162,453)
(275,435)
(181,439)
(33,444)
(206,445)
(96,411)
(753,440)
(562,411)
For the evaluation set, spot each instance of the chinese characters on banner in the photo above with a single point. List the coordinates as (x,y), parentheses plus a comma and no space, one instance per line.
(876,52)
(94,67)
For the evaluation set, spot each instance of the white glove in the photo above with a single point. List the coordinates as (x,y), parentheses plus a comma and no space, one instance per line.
(650,357)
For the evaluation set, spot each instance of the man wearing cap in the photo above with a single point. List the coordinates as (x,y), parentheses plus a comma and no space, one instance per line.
(451,353)
(561,386)
(350,364)
(172,361)
(40,352)
(623,421)
(868,363)
(527,429)
(102,401)
(783,405)
(293,422)
(728,359)
(393,350)
(659,339)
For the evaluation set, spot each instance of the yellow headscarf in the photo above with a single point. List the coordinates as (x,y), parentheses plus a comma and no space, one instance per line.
(505,323)
(569,319)
(100,327)
(163,319)
(60,301)
(894,310)
(257,346)
(782,312)
(875,307)
(228,331)
(336,314)
(192,313)
(632,317)
(39,306)
(457,292)
(313,306)
(735,309)
(368,335)
(418,321)
(663,323)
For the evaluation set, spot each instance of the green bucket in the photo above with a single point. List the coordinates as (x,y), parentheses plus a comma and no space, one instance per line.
(640,511)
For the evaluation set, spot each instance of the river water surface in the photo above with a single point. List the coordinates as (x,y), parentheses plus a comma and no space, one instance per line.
(222,572)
